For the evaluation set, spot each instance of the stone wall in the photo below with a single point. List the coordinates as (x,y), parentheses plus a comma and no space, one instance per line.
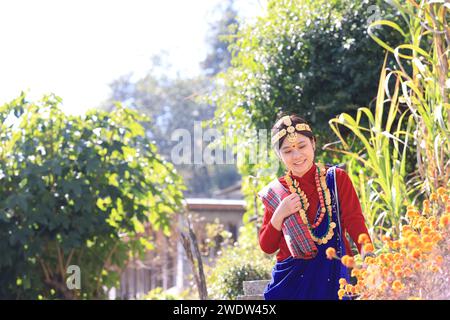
(253,290)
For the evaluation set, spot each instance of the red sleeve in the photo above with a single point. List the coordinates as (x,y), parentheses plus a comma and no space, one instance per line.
(352,217)
(269,237)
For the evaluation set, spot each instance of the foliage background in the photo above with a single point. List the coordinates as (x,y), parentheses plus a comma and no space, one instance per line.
(76,190)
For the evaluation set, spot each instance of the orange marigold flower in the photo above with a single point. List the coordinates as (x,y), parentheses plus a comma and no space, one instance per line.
(427,247)
(427,238)
(341,293)
(444,221)
(355,272)
(434,268)
(406,228)
(433,196)
(447,209)
(385,238)
(402,242)
(395,244)
(331,253)
(397,285)
(363,238)
(389,256)
(348,261)
(398,274)
(342,281)
(369,260)
(368,247)
(397,267)
(351,262)
(412,214)
(441,191)
(439,260)
(416,253)
(413,240)
(426,203)
(436,236)
(426,230)
(408,272)
(433,222)
(421,222)
(397,256)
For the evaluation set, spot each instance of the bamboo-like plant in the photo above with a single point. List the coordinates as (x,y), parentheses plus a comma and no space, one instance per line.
(423,127)
(426,89)
(385,144)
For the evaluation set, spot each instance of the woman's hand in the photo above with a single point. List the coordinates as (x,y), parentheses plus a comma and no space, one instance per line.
(288,206)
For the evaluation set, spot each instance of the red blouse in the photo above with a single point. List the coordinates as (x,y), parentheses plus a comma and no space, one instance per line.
(352,219)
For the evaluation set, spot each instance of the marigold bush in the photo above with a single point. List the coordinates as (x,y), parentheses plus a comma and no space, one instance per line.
(415,266)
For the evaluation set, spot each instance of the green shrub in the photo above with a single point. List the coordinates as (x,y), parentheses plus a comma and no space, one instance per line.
(235,265)
(70,188)
(158,293)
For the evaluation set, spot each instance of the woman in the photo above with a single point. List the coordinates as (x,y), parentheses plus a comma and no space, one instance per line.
(308,189)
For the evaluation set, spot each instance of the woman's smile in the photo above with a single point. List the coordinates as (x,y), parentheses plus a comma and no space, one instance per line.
(300,163)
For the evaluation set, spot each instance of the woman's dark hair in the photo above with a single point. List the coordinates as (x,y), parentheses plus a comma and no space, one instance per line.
(279,125)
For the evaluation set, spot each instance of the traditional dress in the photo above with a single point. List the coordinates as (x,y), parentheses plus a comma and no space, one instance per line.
(316,278)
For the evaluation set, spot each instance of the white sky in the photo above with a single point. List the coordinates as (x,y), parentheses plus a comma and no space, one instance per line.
(76,48)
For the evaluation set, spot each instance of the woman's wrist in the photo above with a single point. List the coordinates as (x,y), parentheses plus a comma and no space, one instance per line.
(277,220)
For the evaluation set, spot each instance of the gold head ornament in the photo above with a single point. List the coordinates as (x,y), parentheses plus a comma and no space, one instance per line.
(290,130)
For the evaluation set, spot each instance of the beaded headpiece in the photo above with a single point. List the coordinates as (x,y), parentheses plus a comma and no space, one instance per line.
(290,130)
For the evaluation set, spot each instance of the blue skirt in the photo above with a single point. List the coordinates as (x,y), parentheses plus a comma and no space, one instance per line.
(314,279)
(317,278)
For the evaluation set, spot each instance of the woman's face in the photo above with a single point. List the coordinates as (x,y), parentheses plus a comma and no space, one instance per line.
(299,155)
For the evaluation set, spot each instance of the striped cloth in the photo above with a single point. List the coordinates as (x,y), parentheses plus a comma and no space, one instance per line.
(295,232)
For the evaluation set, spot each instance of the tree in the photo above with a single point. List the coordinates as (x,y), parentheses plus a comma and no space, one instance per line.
(164,100)
(175,103)
(219,57)
(310,57)
(76,190)
(314,58)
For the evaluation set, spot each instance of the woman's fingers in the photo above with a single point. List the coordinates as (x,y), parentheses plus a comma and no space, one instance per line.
(294,202)
(294,196)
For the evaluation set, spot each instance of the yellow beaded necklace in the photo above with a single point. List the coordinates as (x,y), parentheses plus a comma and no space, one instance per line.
(325,203)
